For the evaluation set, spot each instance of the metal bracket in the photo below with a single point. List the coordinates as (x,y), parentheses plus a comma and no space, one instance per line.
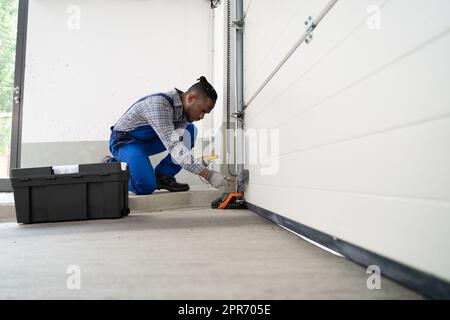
(242,179)
(238,24)
(243,176)
(238,115)
(215,4)
(310,26)
(16,95)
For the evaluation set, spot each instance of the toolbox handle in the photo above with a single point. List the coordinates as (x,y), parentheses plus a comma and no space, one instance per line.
(77,175)
(50,177)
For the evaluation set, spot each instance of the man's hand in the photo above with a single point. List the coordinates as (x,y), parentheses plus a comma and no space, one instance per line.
(204,174)
(216,179)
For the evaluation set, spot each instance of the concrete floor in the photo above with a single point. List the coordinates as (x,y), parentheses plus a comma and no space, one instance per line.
(178,254)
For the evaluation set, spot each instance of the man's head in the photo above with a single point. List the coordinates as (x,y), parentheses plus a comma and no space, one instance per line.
(199,100)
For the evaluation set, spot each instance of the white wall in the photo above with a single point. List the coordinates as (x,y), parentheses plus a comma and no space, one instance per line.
(364,123)
(78,81)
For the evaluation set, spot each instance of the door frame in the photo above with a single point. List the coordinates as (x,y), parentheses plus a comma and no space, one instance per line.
(19,76)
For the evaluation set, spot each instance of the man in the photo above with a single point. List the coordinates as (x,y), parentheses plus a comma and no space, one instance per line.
(158,122)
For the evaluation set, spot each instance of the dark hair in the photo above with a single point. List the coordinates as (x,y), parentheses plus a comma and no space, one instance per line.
(204,87)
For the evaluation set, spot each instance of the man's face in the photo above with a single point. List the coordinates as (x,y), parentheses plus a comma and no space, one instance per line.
(197,105)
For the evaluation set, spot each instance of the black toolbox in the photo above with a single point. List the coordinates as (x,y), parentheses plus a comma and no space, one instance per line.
(93,191)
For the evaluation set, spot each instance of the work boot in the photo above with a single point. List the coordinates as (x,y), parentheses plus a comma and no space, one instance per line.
(108,159)
(169,183)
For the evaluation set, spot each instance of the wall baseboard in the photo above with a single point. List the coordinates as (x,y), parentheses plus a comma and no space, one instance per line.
(426,284)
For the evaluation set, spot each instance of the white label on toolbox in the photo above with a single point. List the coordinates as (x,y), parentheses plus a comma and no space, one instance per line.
(123,165)
(72,168)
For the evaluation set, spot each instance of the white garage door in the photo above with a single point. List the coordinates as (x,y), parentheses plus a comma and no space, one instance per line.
(363,116)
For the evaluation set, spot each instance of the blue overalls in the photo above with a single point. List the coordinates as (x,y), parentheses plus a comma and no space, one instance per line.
(135,147)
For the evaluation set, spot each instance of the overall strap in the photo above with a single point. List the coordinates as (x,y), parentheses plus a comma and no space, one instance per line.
(165,96)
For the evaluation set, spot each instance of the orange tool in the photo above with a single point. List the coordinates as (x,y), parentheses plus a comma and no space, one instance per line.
(229,201)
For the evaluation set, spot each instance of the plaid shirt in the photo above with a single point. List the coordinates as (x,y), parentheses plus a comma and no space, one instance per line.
(168,122)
